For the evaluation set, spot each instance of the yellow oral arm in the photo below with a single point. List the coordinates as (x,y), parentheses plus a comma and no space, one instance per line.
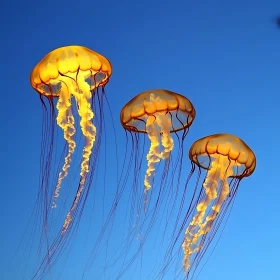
(195,229)
(166,139)
(66,121)
(89,131)
(154,154)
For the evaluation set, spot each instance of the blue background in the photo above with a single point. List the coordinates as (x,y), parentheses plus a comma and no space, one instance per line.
(224,56)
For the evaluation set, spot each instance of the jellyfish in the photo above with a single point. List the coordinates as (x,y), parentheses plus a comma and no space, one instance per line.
(161,119)
(69,78)
(225,157)
(227,160)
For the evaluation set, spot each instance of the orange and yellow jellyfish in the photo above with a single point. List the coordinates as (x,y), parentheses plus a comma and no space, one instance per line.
(164,118)
(70,77)
(227,159)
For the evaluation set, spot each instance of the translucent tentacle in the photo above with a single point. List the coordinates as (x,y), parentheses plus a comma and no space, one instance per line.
(89,132)
(66,121)
(154,153)
(202,221)
(166,139)
(158,129)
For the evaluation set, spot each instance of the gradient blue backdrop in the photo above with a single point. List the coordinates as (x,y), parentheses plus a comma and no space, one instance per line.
(223,55)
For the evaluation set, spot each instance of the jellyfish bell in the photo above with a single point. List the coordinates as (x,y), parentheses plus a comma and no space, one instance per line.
(241,158)
(71,76)
(73,62)
(224,157)
(157,102)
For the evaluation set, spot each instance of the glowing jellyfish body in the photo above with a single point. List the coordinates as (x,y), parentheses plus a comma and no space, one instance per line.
(71,76)
(67,74)
(163,118)
(224,156)
(158,113)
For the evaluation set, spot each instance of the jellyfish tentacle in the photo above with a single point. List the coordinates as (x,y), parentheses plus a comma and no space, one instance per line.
(89,131)
(202,222)
(66,121)
(166,139)
(154,154)
(88,128)
(224,192)
(158,130)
